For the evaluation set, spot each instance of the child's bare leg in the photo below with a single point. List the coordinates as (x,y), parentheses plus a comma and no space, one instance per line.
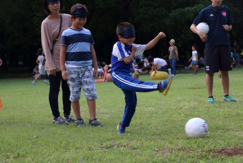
(92,109)
(37,77)
(76,109)
(195,69)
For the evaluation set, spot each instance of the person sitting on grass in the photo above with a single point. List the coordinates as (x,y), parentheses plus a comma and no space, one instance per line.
(122,57)
(135,70)
(76,58)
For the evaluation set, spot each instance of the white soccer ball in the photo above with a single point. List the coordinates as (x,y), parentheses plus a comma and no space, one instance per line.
(196,127)
(203,27)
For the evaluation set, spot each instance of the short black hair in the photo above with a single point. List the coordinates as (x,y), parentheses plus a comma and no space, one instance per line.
(39,51)
(121,27)
(77,7)
(195,46)
(46,10)
(150,58)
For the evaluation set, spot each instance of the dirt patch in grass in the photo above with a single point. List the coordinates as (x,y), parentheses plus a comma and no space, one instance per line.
(216,152)
(226,152)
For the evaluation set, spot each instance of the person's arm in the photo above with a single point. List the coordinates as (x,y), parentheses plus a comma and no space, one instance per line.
(62,62)
(202,35)
(37,61)
(1,62)
(153,42)
(190,59)
(177,55)
(196,57)
(227,27)
(128,59)
(46,40)
(94,61)
(154,66)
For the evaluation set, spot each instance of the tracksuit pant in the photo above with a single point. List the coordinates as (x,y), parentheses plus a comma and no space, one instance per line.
(130,86)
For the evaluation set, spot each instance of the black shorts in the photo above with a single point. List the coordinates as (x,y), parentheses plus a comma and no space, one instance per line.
(217,58)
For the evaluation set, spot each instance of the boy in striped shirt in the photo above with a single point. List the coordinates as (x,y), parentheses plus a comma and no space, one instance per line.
(76,58)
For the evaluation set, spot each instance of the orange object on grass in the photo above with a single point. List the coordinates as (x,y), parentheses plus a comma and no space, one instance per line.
(103,78)
(1,106)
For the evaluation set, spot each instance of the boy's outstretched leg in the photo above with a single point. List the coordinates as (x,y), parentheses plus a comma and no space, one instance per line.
(165,85)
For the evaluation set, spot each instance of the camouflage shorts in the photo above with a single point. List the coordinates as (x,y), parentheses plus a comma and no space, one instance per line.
(81,77)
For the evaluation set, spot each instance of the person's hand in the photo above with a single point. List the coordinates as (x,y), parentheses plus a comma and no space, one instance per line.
(177,59)
(95,73)
(154,73)
(134,48)
(1,62)
(161,35)
(53,72)
(202,36)
(64,75)
(226,27)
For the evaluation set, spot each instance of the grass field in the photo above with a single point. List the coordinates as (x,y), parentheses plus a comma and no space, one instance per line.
(156,133)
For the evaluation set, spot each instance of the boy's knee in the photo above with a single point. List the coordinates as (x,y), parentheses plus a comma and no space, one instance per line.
(74,98)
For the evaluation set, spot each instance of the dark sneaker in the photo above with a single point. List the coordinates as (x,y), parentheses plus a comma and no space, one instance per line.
(210,100)
(95,123)
(69,118)
(59,120)
(165,85)
(79,122)
(121,130)
(229,98)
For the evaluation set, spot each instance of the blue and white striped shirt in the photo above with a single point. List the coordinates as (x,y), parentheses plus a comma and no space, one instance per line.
(78,47)
(121,51)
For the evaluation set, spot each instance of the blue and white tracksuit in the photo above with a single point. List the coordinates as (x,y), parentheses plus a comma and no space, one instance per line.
(121,78)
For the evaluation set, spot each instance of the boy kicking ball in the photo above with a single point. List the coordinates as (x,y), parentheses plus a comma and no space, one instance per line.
(122,57)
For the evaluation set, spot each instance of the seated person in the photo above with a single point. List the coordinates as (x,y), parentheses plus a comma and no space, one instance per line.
(100,72)
(157,64)
(135,70)
(108,74)
(146,65)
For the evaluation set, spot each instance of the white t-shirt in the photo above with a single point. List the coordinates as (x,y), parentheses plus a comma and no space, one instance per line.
(40,66)
(194,58)
(159,62)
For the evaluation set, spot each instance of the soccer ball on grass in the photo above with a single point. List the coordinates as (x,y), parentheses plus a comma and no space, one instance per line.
(196,127)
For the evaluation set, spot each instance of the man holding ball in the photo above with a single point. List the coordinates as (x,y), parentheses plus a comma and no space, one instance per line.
(217,46)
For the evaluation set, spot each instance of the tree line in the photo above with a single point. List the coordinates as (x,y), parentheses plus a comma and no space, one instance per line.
(20,23)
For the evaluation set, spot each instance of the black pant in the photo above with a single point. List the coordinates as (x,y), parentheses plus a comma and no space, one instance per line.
(55,82)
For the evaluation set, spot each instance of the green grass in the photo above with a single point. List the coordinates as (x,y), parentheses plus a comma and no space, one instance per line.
(156,133)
